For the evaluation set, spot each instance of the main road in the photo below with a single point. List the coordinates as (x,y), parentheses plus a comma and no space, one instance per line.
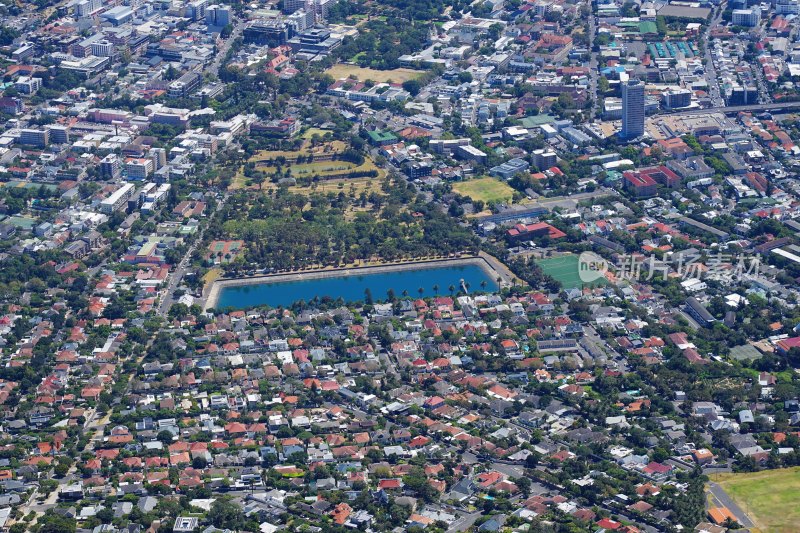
(732,110)
(593,64)
(213,68)
(710,72)
(180,271)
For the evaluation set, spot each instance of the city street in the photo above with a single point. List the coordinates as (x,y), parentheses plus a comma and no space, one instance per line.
(721,499)
(180,271)
(593,71)
(710,72)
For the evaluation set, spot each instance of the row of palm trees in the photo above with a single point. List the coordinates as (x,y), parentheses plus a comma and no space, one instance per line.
(465,284)
(451,288)
(421,290)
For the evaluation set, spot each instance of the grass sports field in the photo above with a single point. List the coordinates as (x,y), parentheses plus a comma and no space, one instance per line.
(769,498)
(398,75)
(486,189)
(564,269)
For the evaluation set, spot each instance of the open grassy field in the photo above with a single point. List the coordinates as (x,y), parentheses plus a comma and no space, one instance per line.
(212,275)
(356,185)
(485,189)
(398,75)
(564,269)
(769,498)
(328,168)
(322,169)
(311,131)
(28,185)
(325,148)
(351,187)
(322,166)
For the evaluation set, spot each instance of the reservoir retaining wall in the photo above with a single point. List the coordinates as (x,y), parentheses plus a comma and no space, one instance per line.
(480,261)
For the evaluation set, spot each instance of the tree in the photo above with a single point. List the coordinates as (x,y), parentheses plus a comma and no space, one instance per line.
(105,515)
(524,484)
(258,178)
(172,73)
(661,24)
(47,486)
(417,481)
(532,460)
(7,35)
(53,523)
(225,514)
(566,101)
(164,436)
(61,469)
(412,86)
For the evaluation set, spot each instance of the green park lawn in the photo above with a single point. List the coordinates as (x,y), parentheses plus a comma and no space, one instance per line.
(486,189)
(769,498)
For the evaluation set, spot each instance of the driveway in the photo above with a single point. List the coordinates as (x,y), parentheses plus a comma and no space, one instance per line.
(464,523)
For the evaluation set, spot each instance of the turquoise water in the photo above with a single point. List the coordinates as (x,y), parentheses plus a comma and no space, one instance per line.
(352,288)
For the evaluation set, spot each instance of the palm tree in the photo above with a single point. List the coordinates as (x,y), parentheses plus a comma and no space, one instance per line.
(452,289)
(483,284)
(405,293)
(436,288)
(420,291)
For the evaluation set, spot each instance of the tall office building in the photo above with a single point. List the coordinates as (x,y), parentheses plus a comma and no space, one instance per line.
(749,18)
(85,8)
(320,8)
(218,16)
(103,48)
(139,168)
(159,157)
(677,98)
(301,20)
(787,7)
(58,134)
(34,137)
(632,109)
(110,167)
(196,10)
(28,85)
(290,6)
